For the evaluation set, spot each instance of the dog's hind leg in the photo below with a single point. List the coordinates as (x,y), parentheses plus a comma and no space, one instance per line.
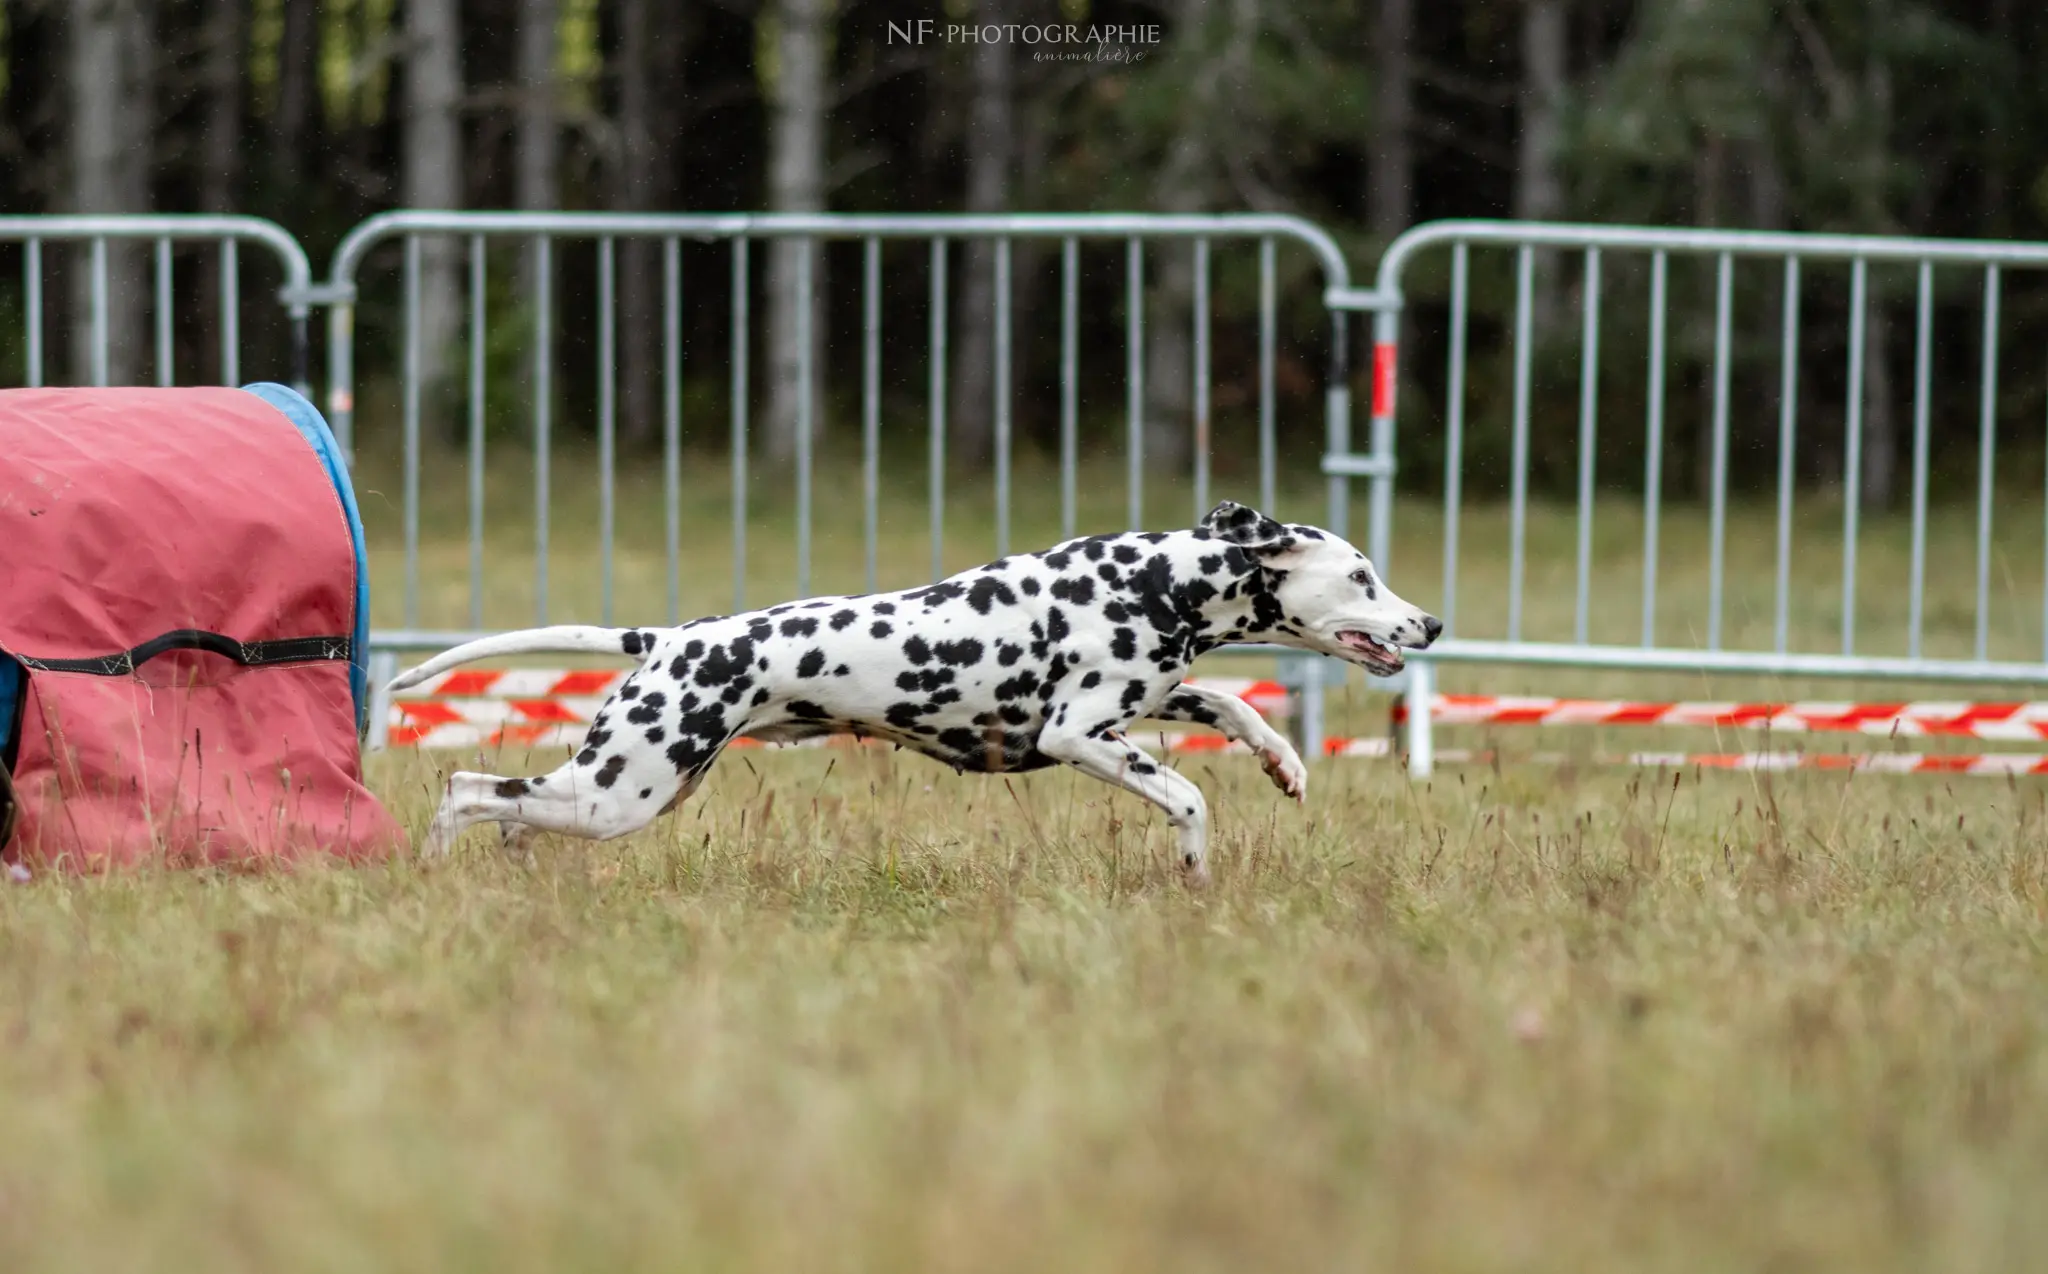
(1101,751)
(593,802)
(1240,722)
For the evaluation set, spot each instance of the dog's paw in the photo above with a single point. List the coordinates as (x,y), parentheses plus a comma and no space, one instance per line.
(1283,765)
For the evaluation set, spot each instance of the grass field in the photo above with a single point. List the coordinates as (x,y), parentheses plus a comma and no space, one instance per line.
(848,1011)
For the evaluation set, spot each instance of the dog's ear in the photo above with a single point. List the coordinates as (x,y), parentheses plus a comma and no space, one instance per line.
(1248,529)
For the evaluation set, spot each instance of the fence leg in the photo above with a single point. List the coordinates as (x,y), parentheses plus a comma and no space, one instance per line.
(1311,708)
(377,730)
(1421,727)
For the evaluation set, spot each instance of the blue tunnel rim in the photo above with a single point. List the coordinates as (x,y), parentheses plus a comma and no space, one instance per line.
(312,426)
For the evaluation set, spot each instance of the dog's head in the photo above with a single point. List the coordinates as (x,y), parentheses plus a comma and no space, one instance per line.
(1333,601)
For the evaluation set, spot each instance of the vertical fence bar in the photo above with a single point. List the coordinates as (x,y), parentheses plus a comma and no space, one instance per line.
(1134,380)
(1070,387)
(607,418)
(164,373)
(1202,422)
(1589,407)
(936,464)
(672,419)
(1788,426)
(1518,478)
(1269,442)
(741,297)
(543,414)
(1987,442)
(871,404)
(1923,360)
(477,327)
(1454,427)
(1717,513)
(230,312)
(806,263)
(32,290)
(1002,403)
(1653,457)
(1852,477)
(99,312)
(410,494)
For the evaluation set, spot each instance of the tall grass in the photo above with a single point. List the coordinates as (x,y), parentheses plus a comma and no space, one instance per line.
(846,1010)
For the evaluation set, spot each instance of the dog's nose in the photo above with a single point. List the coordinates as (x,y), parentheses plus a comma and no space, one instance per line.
(1432,627)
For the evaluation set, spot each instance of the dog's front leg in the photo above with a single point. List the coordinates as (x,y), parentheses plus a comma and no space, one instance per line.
(1102,752)
(1240,722)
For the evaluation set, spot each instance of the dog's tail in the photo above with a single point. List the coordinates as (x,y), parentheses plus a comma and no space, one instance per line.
(560,639)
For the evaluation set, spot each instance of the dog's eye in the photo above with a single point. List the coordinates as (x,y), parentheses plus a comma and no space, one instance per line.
(1361,577)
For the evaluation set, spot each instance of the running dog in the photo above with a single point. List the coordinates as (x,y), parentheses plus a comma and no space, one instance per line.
(1029,661)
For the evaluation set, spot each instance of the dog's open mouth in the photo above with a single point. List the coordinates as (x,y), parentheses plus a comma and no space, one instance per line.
(1378,657)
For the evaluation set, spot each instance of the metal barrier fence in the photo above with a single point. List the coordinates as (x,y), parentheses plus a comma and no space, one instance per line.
(1136,235)
(1797,256)
(226,232)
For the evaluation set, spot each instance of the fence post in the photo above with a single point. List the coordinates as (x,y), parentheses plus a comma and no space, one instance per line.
(1421,723)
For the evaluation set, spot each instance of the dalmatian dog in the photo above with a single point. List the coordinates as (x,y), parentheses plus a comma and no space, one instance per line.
(1030,661)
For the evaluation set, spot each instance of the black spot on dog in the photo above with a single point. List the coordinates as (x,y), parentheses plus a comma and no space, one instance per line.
(811,664)
(917,650)
(646,792)
(608,773)
(630,643)
(1134,694)
(761,696)
(1211,563)
(842,671)
(656,734)
(760,630)
(987,592)
(1091,681)
(885,608)
(964,653)
(629,692)
(1123,645)
(1126,553)
(880,628)
(1030,587)
(928,680)
(1058,561)
(842,620)
(1080,590)
(805,710)
(801,626)
(512,789)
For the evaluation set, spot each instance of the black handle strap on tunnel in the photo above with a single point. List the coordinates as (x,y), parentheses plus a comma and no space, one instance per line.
(249,654)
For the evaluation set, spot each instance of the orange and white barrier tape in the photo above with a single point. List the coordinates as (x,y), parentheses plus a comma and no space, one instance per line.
(1979,763)
(2008,722)
(541,708)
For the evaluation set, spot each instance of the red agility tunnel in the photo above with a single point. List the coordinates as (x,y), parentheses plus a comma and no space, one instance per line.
(183,615)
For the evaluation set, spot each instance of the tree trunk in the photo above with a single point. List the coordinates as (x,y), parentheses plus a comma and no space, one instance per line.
(433,171)
(540,128)
(1390,174)
(537,145)
(220,161)
(297,51)
(1880,421)
(112,82)
(636,182)
(1710,199)
(796,183)
(226,46)
(1539,186)
(1185,182)
(991,159)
